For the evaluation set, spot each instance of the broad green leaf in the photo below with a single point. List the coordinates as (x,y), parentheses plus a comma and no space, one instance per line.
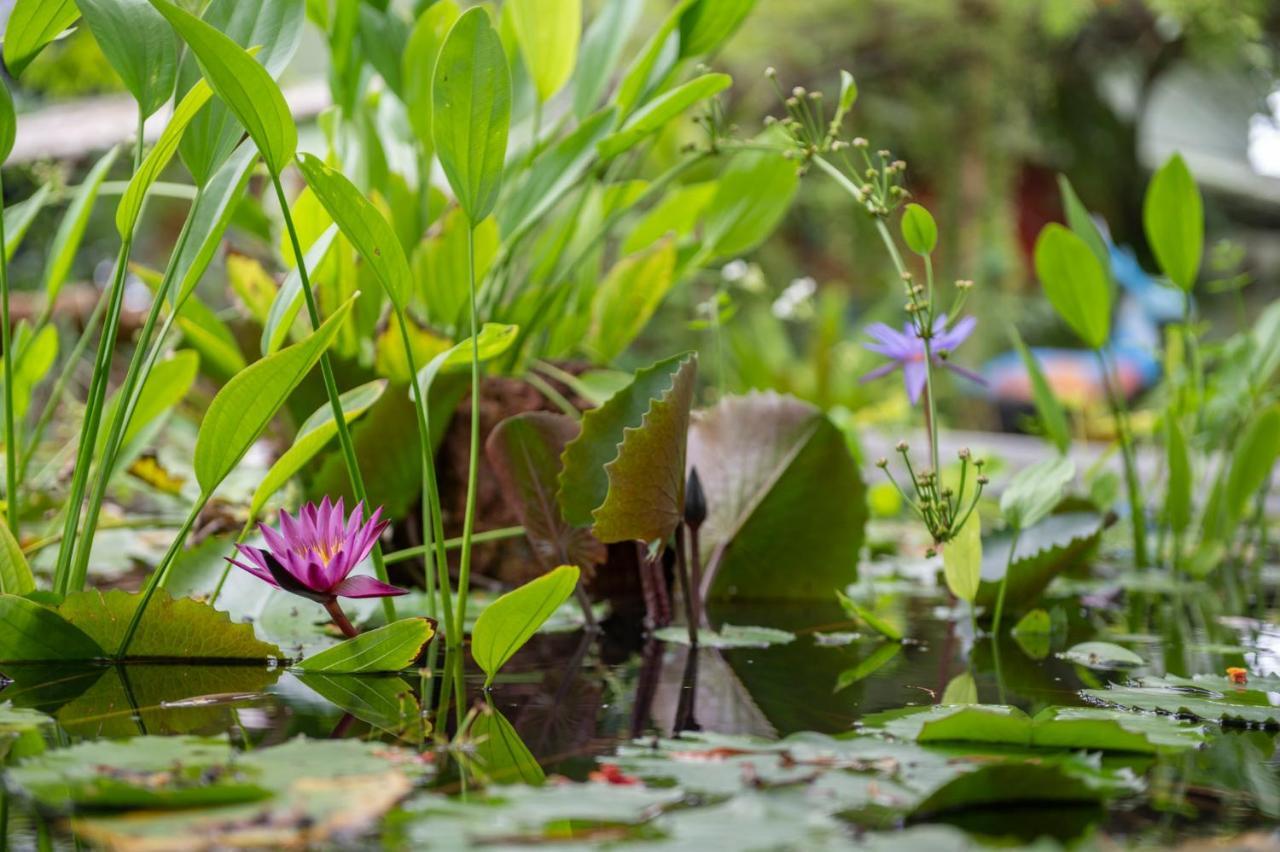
(32,25)
(1102,655)
(386,702)
(387,649)
(1082,224)
(15,573)
(548,33)
(1035,490)
(753,194)
(361,223)
(919,231)
(707,24)
(66,242)
(166,146)
(962,559)
(171,628)
(18,218)
(524,453)
(1173,218)
(1255,455)
(471,112)
(627,298)
(585,480)
(678,213)
(868,617)
(770,534)
(553,173)
(494,339)
(245,406)
(8,122)
(289,297)
(1052,418)
(168,384)
(317,431)
(210,217)
(36,633)
(728,636)
(509,622)
(501,756)
(1178,499)
(274,29)
(601,49)
(1075,283)
(419,63)
(138,44)
(1045,550)
(659,112)
(244,85)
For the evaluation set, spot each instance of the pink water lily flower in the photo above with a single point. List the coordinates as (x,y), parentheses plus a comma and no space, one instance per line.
(313,555)
(906,350)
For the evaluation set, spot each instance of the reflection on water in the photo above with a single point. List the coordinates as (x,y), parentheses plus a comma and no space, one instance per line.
(570,698)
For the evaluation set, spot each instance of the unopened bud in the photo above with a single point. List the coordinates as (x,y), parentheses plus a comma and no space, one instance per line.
(882,463)
(695,500)
(902,446)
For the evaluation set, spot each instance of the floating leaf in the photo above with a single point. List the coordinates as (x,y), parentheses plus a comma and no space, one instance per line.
(1173,218)
(361,223)
(1102,655)
(388,649)
(36,633)
(385,701)
(524,452)
(316,431)
(962,559)
(728,636)
(919,231)
(769,533)
(245,405)
(139,46)
(1211,698)
(32,25)
(1075,282)
(243,85)
(510,621)
(547,32)
(471,112)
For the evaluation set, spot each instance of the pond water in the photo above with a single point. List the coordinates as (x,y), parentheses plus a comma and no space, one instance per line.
(597,713)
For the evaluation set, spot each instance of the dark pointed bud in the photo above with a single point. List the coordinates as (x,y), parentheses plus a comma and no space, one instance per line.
(695,500)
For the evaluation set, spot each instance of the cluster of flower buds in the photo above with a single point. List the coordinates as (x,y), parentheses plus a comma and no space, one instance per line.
(944,510)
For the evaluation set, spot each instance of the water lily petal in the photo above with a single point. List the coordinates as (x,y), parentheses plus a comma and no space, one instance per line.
(364,586)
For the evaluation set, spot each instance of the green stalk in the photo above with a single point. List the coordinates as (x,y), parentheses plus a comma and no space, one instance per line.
(455,543)
(135,379)
(97,394)
(331,388)
(157,578)
(432,514)
(1138,518)
(1004,582)
(10,427)
(473,463)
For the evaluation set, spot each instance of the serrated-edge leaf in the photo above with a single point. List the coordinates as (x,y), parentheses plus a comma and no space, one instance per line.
(509,622)
(390,648)
(245,406)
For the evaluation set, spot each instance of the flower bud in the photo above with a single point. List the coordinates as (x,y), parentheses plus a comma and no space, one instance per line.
(882,462)
(695,500)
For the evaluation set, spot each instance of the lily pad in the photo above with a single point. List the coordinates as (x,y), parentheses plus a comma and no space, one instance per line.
(1045,550)
(728,636)
(1102,655)
(1211,698)
(770,534)
(21,732)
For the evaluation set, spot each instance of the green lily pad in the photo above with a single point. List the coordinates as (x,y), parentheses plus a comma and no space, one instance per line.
(1102,655)
(728,636)
(22,732)
(1211,698)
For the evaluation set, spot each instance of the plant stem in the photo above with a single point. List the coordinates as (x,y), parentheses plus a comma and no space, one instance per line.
(455,543)
(1137,516)
(11,448)
(157,578)
(685,580)
(432,514)
(340,618)
(473,463)
(97,394)
(134,381)
(1004,582)
(331,388)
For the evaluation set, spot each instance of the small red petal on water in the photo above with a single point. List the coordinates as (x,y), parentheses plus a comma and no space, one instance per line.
(611,773)
(1238,675)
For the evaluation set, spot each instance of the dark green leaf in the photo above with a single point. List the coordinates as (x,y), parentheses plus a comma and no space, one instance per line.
(707,24)
(471,112)
(387,702)
(8,122)
(139,46)
(35,633)
(1044,551)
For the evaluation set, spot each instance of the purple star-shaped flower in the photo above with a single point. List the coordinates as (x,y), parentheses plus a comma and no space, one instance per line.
(906,351)
(314,554)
